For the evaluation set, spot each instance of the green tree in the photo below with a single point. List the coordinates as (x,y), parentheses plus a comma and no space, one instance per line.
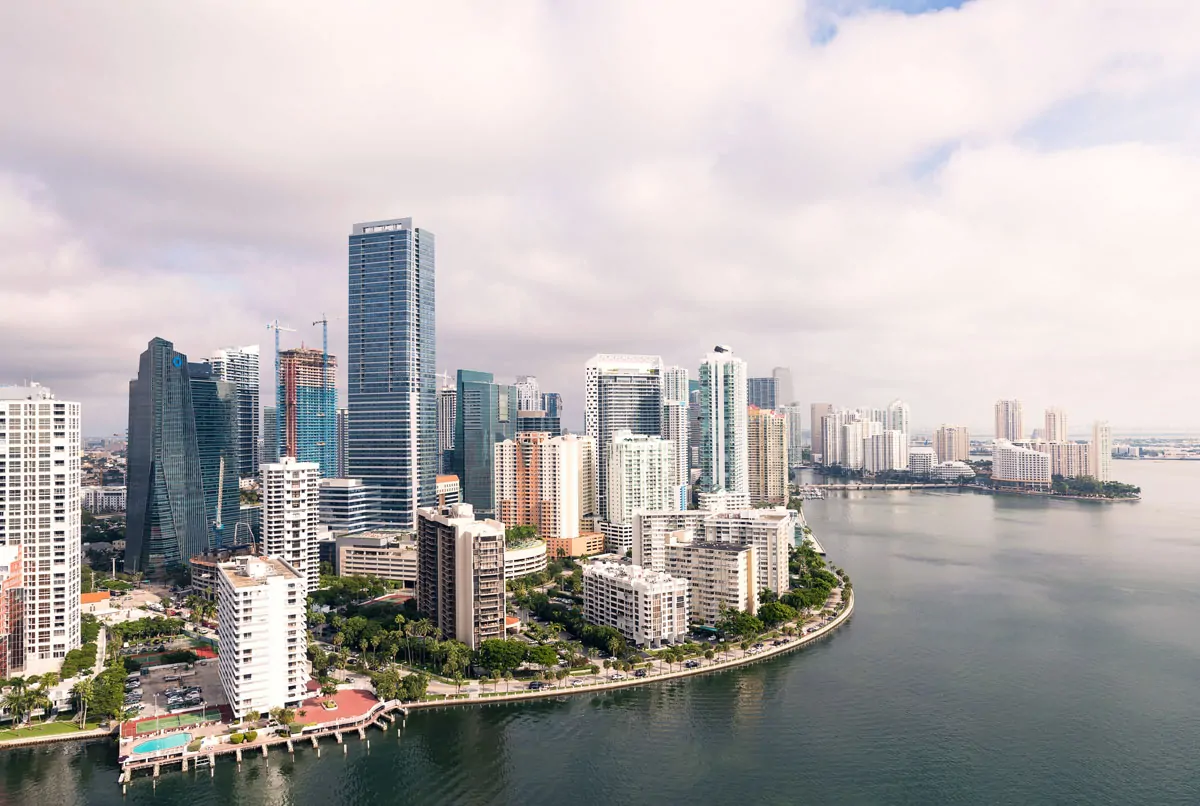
(543,655)
(502,655)
(766,596)
(739,624)
(82,693)
(773,613)
(415,685)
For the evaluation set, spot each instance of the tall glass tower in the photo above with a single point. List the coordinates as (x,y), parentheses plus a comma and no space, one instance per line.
(486,414)
(215,405)
(392,368)
(306,397)
(624,393)
(724,448)
(239,365)
(165,523)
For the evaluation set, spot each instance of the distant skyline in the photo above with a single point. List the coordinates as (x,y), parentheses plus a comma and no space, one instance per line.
(943,202)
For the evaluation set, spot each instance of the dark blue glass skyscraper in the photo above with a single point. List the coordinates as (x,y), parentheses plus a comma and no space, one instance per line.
(215,405)
(165,509)
(487,414)
(392,394)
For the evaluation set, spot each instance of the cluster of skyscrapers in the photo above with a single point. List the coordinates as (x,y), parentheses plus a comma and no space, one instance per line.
(1048,451)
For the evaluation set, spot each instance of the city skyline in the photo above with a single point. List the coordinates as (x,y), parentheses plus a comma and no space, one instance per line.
(867,236)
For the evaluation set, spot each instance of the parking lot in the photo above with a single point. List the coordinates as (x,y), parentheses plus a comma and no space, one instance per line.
(203,674)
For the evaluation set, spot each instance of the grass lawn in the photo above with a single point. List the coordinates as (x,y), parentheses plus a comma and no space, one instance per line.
(47,729)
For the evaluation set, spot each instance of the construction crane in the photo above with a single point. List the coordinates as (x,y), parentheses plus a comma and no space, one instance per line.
(274,325)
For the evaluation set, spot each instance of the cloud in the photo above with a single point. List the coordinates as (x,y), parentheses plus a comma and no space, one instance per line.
(948,206)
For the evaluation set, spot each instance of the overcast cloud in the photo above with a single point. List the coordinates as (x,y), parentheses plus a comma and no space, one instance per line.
(947,206)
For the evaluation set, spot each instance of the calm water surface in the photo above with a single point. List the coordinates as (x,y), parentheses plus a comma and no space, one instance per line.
(1003,650)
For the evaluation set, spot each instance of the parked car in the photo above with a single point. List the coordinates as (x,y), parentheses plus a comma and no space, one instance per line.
(616,676)
(692,664)
(171,678)
(640,673)
(536,685)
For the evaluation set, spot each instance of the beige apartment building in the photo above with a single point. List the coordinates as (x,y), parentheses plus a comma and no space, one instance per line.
(460,573)
(721,575)
(767,448)
(952,443)
(385,553)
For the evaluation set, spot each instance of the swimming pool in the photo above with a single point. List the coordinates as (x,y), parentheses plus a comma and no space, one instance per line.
(163,743)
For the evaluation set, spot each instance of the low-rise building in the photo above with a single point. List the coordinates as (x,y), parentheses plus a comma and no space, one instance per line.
(263,634)
(525,559)
(921,461)
(953,471)
(460,573)
(649,608)
(12,612)
(385,553)
(586,544)
(102,499)
(721,575)
(1015,466)
(723,501)
(348,505)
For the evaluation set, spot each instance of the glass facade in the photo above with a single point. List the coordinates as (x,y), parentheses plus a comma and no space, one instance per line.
(392,372)
(270,432)
(546,423)
(486,414)
(165,522)
(761,392)
(306,399)
(215,404)
(239,365)
(627,401)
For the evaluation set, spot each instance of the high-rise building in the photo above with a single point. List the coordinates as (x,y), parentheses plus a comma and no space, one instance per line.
(897,418)
(538,421)
(545,482)
(392,370)
(721,575)
(1101,451)
(1056,425)
(262,626)
(785,393)
(43,517)
(343,439)
(460,574)
(239,366)
(675,427)
(270,435)
(817,413)
(449,492)
(794,415)
(649,608)
(347,505)
(1015,466)
(307,401)
(762,393)
(529,396)
(624,393)
(487,414)
(217,409)
(851,443)
(723,411)
(952,443)
(885,451)
(767,448)
(447,402)
(291,511)
(922,461)
(694,430)
(640,477)
(1068,459)
(165,520)
(770,531)
(552,404)
(1010,422)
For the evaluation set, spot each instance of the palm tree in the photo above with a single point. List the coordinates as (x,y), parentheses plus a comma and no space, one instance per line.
(82,692)
(16,701)
(39,698)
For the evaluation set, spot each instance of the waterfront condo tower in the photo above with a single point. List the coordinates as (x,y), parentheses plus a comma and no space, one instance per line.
(43,521)
(392,372)
(723,423)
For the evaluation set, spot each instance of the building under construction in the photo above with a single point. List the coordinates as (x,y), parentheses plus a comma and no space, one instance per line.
(307,397)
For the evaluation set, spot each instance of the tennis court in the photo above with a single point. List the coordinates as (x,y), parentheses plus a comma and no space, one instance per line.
(172,721)
(159,658)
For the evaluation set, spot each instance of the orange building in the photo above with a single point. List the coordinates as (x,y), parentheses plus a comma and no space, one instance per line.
(549,483)
(12,620)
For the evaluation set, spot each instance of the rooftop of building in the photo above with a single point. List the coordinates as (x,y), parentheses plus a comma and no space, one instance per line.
(30,391)
(341,483)
(633,573)
(772,514)
(732,548)
(245,572)
(448,479)
(379,538)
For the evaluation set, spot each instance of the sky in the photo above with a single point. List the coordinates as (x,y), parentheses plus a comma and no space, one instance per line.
(946,202)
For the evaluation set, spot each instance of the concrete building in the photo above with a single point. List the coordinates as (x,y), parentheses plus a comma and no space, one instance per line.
(460,576)
(676,428)
(624,393)
(769,531)
(262,629)
(952,443)
(291,505)
(525,559)
(921,461)
(546,482)
(392,367)
(1010,420)
(306,398)
(649,608)
(898,418)
(817,414)
(447,412)
(720,575)
(240,366)
(448,491)
(529,395)
(347,505)
(1015,466)
(767,456)
(1068,459)
(640,477)
(724,452)
(885,451)
(952,471)
(1056,425)
(794,417)
(270,435)
(343,440)
(12,612)
(1101,451)
(852,445)
(723,502)
(98,500)
(386,553)
(40,453)
(651,531)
